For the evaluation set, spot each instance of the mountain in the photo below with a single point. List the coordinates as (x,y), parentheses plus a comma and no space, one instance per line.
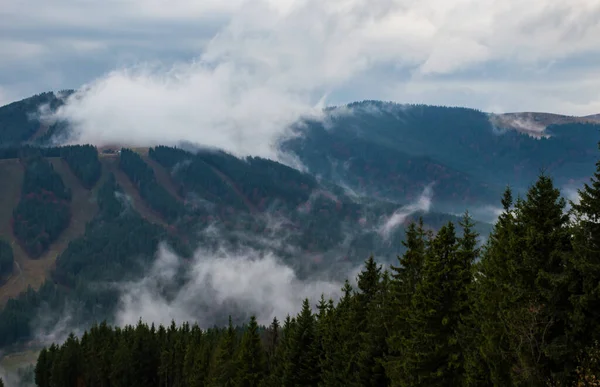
(392,151)
(75,217)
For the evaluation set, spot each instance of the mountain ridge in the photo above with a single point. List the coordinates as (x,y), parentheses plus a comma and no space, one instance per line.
(402,161)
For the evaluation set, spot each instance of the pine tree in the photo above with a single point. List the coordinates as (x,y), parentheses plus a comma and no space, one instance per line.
(302,360)
(493,292)
(368,319)
(225,368)
(523,290)
(251,357)
(277,369)
(467,254)
(338,361)
(434,356)
(545,249)
(42,369)
(272,344)
(194,371)
(405,278)
(585,262)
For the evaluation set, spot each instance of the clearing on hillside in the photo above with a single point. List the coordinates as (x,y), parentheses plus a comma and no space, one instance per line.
(111,164)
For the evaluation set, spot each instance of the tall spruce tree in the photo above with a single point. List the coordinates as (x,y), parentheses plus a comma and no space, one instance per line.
(434,356)
(491,363)
(251,357)
(545,252)
(272,344)
(403,284)
(224,372)
(523,290)
(277,372)
(338,362)
(368,319)
(302,360)
(585,284)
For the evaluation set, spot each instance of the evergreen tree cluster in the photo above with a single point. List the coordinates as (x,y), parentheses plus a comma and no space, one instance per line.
(150,190)
(252,183)
(44,209)
(520,311)
(6,258)
(83,161)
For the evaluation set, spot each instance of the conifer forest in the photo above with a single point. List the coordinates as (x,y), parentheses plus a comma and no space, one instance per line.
(520,310)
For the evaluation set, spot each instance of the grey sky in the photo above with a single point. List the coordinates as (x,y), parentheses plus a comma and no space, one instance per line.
(184,64)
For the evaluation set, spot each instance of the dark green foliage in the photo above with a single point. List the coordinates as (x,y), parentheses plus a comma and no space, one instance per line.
(43,212)
(379,148)
(525,315)
(83,161)
(116,243)
(24,151)
(113,242)
(251,357)
(6,258)
(439,320)
(252,184)
(19,121)
(523,290)
(405,279)
(153,193)
(18,313)
(224,371)
(301,361)
(585,265)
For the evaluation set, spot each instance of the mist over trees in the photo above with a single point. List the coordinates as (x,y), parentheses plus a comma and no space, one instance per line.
(520,311)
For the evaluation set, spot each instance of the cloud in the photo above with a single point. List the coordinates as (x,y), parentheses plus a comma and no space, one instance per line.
(234,74)
(422,204)
(571,194)
(217,283)
(51,327)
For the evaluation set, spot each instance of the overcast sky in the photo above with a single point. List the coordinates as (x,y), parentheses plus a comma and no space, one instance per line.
(281,57)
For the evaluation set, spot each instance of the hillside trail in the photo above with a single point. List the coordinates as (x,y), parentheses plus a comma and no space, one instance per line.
(162,177)
(236,189)
(33,272)
(110,163)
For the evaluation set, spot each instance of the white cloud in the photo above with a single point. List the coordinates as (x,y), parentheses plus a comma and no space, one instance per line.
(423,203)
(218,282)
(267,62)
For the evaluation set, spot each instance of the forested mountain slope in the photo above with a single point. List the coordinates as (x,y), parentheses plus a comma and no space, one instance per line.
(76,218)
(391,150)
(521,312)
(73,217)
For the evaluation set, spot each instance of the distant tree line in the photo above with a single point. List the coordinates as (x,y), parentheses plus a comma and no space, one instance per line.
(521,311)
